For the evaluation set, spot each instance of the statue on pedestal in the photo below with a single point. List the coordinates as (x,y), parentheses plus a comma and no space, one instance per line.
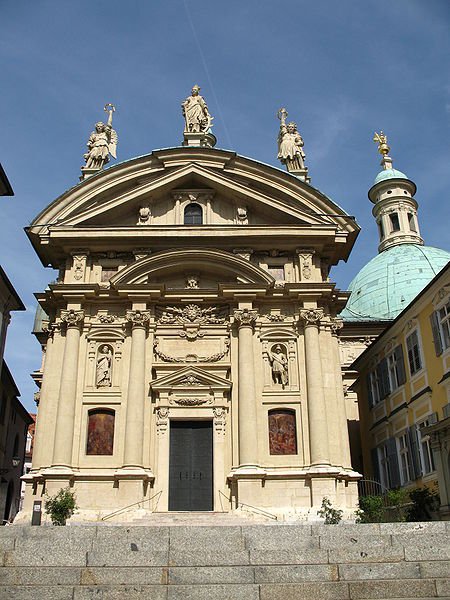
(101,144)
(290,144)
(195,113)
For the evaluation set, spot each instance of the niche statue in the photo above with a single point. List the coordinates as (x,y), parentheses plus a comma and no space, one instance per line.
(103,370)
(279,364)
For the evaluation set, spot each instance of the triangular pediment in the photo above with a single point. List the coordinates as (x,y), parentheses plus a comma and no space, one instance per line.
(190,378)
(116,201)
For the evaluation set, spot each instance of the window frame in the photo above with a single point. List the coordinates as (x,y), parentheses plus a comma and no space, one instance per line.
(404,458)
(424,447)
(414,352)
(199,214)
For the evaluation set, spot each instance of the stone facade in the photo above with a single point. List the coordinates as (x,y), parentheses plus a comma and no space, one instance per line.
(211,305)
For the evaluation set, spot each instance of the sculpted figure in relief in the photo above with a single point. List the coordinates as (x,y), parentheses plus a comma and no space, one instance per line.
(290,144)
(102,142)
(103,371)
(195,113)
(279,364)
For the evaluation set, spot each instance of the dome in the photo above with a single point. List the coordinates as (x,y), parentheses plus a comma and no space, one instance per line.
(391,280)
(389,174)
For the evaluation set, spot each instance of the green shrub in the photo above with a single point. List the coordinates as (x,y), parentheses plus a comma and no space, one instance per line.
(371,509)
(61,507)
(332,516)
(424,502)
(397,501)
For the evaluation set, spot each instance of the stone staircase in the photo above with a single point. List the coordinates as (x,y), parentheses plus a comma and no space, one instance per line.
(270,561)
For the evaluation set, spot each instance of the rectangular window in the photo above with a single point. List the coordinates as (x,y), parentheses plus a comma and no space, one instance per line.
(425,452)
(404,458)
(374,388)
(384,466)
(395,223)
(444,323)
(412,222)
(414,359)
(396,368)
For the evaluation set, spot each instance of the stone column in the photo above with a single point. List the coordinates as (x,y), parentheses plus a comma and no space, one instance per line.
(72,320)
(318,431)
(134,428)
(336,326)
(248,441)
(42,410)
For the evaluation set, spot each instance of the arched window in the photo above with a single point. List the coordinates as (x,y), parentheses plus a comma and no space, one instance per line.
(100,437)
(282,431)
(193,214)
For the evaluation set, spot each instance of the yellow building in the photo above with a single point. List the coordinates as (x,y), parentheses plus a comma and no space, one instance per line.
(403,388)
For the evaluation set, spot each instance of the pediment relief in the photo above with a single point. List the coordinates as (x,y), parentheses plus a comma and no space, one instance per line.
(190,379)
(250,190)
(210,264)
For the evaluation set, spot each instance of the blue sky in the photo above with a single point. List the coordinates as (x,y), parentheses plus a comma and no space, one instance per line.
(342,69)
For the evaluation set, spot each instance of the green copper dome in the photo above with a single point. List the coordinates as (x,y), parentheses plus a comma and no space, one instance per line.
(391,280)
(389,174)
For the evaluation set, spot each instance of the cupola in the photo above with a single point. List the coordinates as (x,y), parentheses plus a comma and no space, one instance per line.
(395,208)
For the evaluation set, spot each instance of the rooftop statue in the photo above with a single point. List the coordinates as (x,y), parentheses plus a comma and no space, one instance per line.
(383,149)
(195,113)
(102,143)
(290,146)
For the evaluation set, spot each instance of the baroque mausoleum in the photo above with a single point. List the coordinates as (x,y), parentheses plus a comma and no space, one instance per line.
(190,342)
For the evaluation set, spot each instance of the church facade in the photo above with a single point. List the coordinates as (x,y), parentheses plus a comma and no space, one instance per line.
(191,354)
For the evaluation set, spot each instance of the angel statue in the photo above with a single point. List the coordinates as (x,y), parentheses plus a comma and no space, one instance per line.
(102,142)
(195,113)
(290,144)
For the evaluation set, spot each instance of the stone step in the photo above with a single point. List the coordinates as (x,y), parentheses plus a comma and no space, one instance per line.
(251,561)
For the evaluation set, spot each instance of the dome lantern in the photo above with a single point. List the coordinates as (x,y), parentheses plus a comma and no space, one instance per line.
(395,209)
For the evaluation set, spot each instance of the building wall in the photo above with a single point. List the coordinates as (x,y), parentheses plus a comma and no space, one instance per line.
(403,387)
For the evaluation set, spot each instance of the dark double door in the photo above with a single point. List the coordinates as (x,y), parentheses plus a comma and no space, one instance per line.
(191,466)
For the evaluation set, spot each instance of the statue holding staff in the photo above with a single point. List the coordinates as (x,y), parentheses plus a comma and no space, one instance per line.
(279,364)
(102,142)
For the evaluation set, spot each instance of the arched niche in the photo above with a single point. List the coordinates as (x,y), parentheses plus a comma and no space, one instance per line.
(98,339)
(280,361)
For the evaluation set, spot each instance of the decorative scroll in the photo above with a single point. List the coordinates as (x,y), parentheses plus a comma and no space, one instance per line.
(190,401)
(190,357)
(191,313)
(311,316)
(138,318)
(245,316)
(106,318)
(282,432)
(100,439)
(72,318)
(190,380)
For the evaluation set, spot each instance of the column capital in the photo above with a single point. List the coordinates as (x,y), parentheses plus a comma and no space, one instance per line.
(311,316)
(72,318)
(336,325)
(245,317)
(138,318)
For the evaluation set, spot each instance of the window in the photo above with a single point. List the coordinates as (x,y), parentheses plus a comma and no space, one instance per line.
(404,456)
(374,388)
(414,359)
(100,437)
(412,222)
(425,452)
(396,368)
(395,223)
(193,214)
(440,325)
(380,229)
(282,432)
(384,466)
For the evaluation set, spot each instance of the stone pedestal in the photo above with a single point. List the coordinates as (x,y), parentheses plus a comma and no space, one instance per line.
(200,138)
